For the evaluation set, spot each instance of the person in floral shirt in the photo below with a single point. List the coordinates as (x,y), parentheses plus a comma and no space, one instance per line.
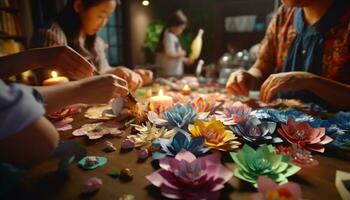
(305,54)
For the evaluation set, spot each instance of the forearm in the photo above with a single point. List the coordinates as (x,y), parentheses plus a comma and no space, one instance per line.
(59,96)
(19,62)
(261,71)
(335,93)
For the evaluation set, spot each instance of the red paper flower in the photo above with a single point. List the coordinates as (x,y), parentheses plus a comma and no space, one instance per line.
(304,136)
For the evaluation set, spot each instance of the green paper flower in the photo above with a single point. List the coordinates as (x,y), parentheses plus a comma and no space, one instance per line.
(262,162)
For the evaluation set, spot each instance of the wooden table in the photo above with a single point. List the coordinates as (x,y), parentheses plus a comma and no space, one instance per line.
(42,182)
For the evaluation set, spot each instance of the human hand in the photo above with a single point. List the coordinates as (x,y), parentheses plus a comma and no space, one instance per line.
(67,61)
(101,89)
(133,79)
(146,75)
(240,82)
(287,81)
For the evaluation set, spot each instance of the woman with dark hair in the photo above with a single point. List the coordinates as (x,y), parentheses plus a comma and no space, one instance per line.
(170,55)
(77,25)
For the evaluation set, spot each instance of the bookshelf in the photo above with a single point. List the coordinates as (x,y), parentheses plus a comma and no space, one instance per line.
(12,39)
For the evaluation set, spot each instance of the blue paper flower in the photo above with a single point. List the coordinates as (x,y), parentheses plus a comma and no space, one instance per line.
(180,116)
(181,140)
(342,120)
(256,132)
(281,116)
(342,141)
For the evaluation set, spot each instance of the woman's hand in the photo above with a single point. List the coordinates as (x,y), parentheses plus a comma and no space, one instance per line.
(133,79)
(287,81)
(101,89)
(67,61)
(240,82)
(146,75)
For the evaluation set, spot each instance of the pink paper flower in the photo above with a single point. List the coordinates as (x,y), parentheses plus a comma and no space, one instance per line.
(269,190)
(66,112)
(93,184)
(304,136)
(188,177)
(233,114)
(64,124)
(98,130)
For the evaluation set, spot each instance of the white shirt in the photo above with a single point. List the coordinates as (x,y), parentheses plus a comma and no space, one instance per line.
(170,61)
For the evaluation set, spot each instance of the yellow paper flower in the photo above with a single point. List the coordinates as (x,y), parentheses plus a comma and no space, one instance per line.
(215,134)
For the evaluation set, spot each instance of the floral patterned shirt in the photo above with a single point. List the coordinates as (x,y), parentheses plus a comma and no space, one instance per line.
(281,34)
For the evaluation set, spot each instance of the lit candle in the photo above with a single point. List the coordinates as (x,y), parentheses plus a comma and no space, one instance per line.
(55,79)
(186,90)
(161,102)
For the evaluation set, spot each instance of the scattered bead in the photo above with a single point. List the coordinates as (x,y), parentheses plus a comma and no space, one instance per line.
(143,154)
(93,185)
(127,144)
(126,175)
(127,197)
(109,147)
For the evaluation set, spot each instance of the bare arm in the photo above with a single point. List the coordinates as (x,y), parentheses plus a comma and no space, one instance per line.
(43,139)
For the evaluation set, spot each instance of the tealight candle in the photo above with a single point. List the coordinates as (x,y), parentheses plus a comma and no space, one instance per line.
(186,90)
(55,79)
(161,101)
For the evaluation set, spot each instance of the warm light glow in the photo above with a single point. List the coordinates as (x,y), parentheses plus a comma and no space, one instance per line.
(161,92)
(145,2)
(186,87)
(54,74)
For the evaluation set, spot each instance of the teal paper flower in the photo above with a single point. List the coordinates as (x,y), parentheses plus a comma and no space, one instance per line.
(262,162)
(180,116)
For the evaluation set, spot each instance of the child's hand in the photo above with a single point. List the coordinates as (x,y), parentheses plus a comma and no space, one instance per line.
(67,61)
(101,89)
(146,75)
(133,79)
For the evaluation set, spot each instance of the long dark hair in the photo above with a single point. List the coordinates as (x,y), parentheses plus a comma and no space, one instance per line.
(177,18)
(70,23)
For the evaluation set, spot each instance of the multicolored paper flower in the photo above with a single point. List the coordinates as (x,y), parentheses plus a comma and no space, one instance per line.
(180,116)
(262,162)
(202,105)
(269,190)
(215,135)
(257,132)
(181,140)
(148,133)
(98,130)
(304,136)
(234,113)
(188,177)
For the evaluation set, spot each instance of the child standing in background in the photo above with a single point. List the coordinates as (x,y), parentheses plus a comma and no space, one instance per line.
(170,55)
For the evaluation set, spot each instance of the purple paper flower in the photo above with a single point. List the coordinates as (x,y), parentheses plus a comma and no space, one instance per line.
(256,132)
(188,177)
(234,113)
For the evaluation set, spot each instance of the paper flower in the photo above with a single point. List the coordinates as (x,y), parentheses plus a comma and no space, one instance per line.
(148,133)
(188,177)
(92,185)
(304,136)
(342,120)
(103,111)
(342,141)
(299,156)
(257,132)
(92,162)
(98,130)
(181,140)
(66,112)
(263,162)
(281,116)
(202,105)
(64,124)
(234,113)
(215,134)
(181,116)
(269,190)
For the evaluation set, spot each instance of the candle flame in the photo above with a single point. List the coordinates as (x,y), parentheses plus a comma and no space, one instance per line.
(186,87)
(161,92)
(54,74)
